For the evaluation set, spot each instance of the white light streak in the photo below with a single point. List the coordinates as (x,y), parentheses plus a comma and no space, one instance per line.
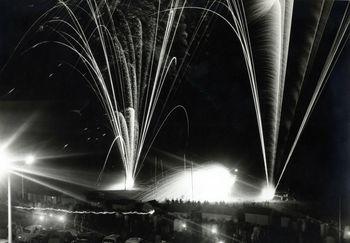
(82,212)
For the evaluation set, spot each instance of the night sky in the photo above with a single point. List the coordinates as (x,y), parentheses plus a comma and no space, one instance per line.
(63,117)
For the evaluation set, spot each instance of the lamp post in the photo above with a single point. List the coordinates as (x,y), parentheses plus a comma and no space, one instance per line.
(5,167)
(9,209)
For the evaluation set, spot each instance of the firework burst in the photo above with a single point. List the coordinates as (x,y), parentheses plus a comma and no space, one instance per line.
(127,61)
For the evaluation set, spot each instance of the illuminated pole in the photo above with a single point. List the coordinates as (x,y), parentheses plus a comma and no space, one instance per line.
(9,210)
(5,167)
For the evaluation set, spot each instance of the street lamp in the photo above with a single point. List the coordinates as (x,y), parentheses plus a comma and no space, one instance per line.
(5,169)
(5,163)
(42,218)
(30,159)
(214,230)
(61,218)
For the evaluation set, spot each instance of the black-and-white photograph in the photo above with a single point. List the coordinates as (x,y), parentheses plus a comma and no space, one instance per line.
(174,121)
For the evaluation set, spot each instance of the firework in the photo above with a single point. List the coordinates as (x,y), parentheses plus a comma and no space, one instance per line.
(276,19)
(127,61)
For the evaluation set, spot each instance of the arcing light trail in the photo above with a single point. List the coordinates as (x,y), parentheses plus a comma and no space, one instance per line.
(279,13)
(240,27)
(340,41)
(279,27)
(128,73)
(130,117)
(129,77)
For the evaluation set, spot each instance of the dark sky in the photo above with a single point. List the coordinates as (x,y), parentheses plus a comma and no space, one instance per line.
(215,92)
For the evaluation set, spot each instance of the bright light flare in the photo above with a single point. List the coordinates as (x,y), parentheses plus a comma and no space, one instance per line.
(30,159)
(214,230)
(41,218)
(211,183)
(5,162)
(124,184)
(129,183)
(9,162)
(268,193)
(61,218)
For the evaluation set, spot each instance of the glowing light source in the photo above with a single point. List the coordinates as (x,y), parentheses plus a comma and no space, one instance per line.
(125,184)
(214,230)
(211,183)
(267,193)
(5,162)
(61,218)
(41,218)
(129,183)
(30,159)
(184,225)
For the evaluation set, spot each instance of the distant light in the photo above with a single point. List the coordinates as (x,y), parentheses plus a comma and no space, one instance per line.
(214,230)
(50,215)
(221,241)
(61,218)
(236,170)
(184,225)
(41,217)
(30,159)
(267,193)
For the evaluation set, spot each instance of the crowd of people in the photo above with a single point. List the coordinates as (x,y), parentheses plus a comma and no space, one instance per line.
(177,221)
(185,222)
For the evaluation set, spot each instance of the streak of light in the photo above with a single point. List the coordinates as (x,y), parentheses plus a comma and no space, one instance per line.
(57,210)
